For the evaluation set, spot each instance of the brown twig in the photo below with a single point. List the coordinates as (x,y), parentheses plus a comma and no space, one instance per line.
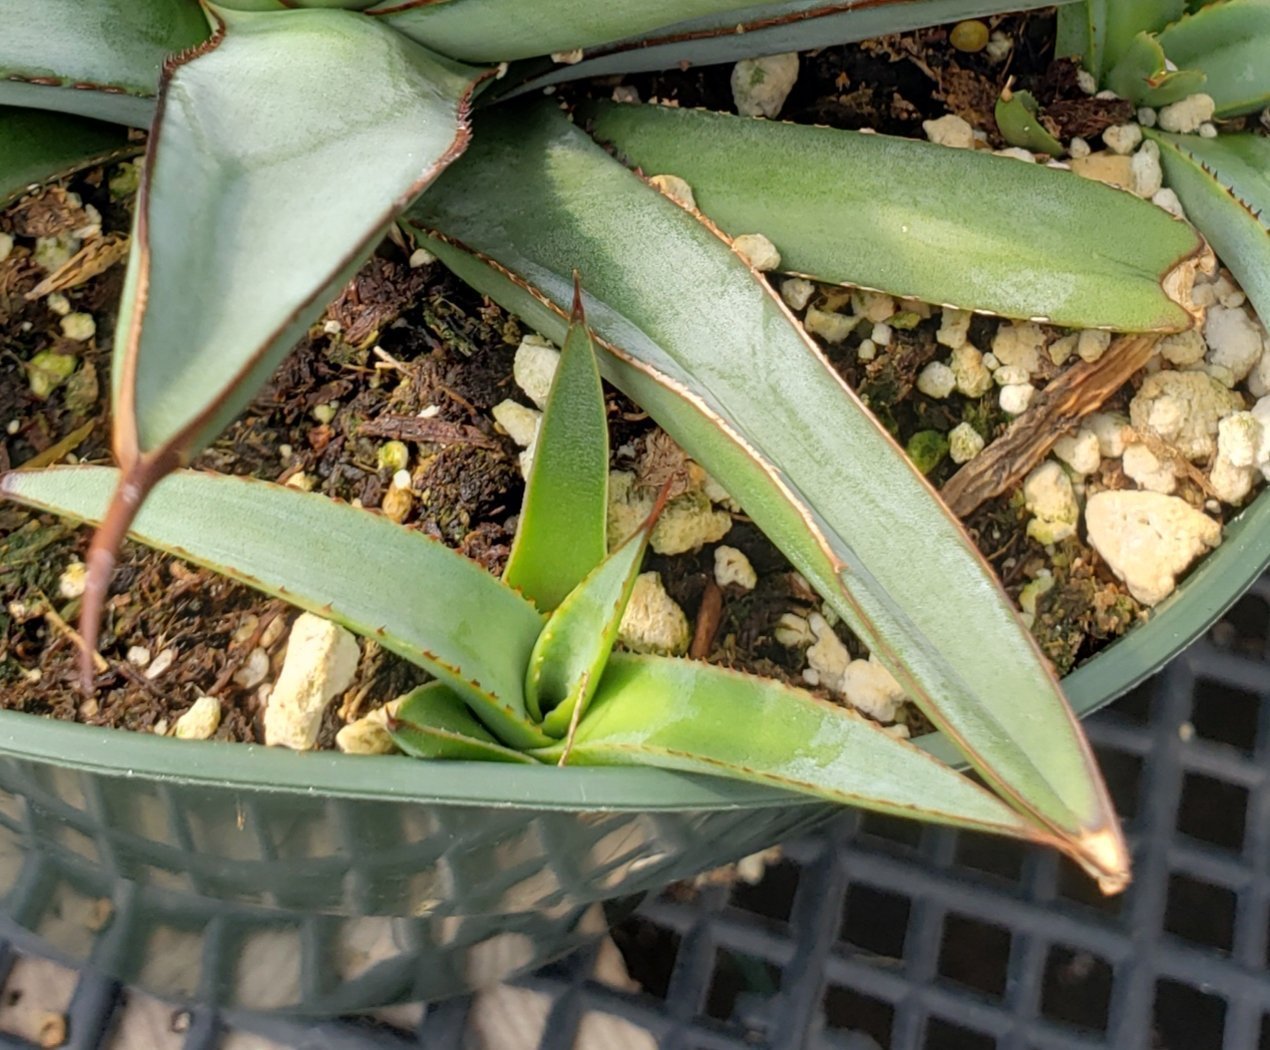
(1076,393)
(418,428)
(709,616)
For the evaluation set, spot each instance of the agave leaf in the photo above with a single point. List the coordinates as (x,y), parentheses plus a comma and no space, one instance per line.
(689,716)
(704,34)
(1224,185)
(434,722)
(561,535)
(1016,116)
(251,213)
(39,146)
(890,213)
(570,655)
(1082,34)
(718,361)
(411,594)
(96,58)
(1230,42)
(1101,32)
(1143,75)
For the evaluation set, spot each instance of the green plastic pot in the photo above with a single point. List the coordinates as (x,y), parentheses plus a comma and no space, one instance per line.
(193,868)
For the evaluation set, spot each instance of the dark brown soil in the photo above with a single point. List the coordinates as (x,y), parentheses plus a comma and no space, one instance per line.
(403,340)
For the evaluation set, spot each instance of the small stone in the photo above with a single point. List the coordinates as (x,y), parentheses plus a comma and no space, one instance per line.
(325,413)
(421,257)
(761,85)
(1112,431)
(1187,115)
(964,443)
(1240,437)
(1144,467)
(1122,138)
(1010,375)
(200,722)
(1015,398)
(398,501)
(970,374)
(1208,130)
(1091,344)
(320,663)
(831,327)
(1147,539)
(253,669)
(676,189)
(733,569)
(867,350)
(1169,201)
(999,47)
(369,735)
(874,306)
(1147,176)
(1061,349)
(1106,167)
(534,368)
(1019,343)
(954,328)
(1016,153)
(871,689)
(1032,591)
(937,380)
(793,631)
(52,253)
(6,245)
(797,292)
(1051,501)
(138,656)
(828,658)
(518,421)
(74,579)
(1078,148)
(1080,451)
(1259,378)
(1086,82)
(653,623)
(881,334)
(950,130)
(58,304)
(161,663)
(758,251)
(1183,348)
(1231,484)
(301,481)
(568,58)
(48,370)
(1183,409)
(1234,340)
(1146,117)
(688,523)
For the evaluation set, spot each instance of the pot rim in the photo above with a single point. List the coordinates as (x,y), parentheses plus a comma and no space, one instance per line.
(1220,579)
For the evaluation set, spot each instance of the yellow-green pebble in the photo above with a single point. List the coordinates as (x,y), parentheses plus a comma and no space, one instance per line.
(969,36)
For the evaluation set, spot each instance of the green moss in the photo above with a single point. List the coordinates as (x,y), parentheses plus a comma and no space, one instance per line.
(927,449)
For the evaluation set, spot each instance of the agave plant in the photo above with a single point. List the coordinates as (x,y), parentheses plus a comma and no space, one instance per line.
(284,140)
(1155,53)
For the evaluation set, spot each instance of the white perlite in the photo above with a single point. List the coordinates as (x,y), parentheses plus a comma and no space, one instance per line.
(797,292)
(1183,409)
(733,569)
(954,328)
(369,735)
(74,580)
(1015,398)
(688,522)
(1145,173)
(1183,348)
(831,327)
(1148,539)
(1112,431)
(970,373)
(1080,451)
(321,662)
(1187,115)
(520,422)
(1091,344)
(761,85)
(758,251)
(200,722)
(676,189)
(1234,341)
(1019,344)
(1051,501)
(78,327)
(653,623)
(535,367)
(950,130)
(964,443)
(1123,138)
(936,380)
(865,684)
(1145,468)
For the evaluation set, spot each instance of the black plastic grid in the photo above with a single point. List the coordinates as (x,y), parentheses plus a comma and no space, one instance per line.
(873,933)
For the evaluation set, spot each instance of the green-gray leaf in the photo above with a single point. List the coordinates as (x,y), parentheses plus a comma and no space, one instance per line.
(1144,78)
(39,146)
(1230,42)
(561,534)
(433,722)
(1224,186)
(411,594)
(683,715)
(700,341)
(97,58)
(890,213)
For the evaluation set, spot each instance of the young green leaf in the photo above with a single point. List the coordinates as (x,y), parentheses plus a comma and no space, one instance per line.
(700,341)
(561,535)
(1230,42)
(39,146)
(1143,75)
(570,655)
(1082,34)
(890,213)
(433,722)
(411,594)
(679,714)
(1224,186)
(281,151)
(96,58)
(1017,119)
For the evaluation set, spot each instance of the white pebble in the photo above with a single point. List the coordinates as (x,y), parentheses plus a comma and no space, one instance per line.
(1208,130)
(161,663)
(964,443)
(520,422)
(758,251)
(950,130)
(1234,340)
(1015,398)
(421,257)
(534,367)
(200,722)
(867,350)
(1169,201)
(1080,451)
(1183,348)
(793,631)
(1016,153)
(321,662)
(6,245)
(797,292)
(1092,344)
(1145,468)
(733,568)
(1187,115)
(58,303)
(954,328)
(871,689)
(653,623)
(676,189)
(74,579)
(1086,82)
(1051,501)
(78,327)
(875,306)
(936,380)
(1146,117)
(881,334)
(253,669)
(138,655)
(1061,349)
(761,85)
(1145,172)
(1123,138)
(831,327)
(972,377)
(1078,148)
(1240,437)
